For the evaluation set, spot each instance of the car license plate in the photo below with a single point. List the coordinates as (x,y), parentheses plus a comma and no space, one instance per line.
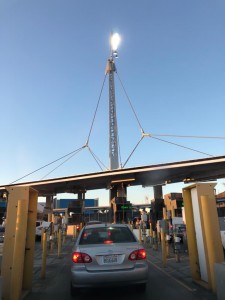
(110,259)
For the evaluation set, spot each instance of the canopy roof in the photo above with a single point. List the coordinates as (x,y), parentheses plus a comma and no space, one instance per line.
(152,175)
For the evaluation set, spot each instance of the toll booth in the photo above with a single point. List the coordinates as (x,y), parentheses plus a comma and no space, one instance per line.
(19,242)
(203,232)
(122,210)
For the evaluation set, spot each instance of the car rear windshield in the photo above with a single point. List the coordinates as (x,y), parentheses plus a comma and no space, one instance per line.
(106,235)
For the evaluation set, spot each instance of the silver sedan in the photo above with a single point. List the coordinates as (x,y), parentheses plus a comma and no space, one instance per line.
(108,255)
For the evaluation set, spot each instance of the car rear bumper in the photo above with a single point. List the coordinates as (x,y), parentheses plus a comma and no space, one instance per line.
(80,277)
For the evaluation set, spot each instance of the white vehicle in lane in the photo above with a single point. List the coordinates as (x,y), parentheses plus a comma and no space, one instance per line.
(39,225)
(108,255)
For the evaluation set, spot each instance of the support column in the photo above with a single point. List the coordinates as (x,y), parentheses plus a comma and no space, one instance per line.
(158,203)
(81,195)
(112,203)
(158,191)
(49,204)
(81,199)
(119,194)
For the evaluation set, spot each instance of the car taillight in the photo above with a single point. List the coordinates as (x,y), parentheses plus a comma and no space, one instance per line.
(79,257)
(137,254)
(108,242)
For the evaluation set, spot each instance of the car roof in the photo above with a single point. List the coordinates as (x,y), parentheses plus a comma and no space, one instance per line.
(94,222)
(105,225)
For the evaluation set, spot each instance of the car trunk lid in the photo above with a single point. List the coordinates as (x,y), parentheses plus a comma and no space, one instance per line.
(112,257)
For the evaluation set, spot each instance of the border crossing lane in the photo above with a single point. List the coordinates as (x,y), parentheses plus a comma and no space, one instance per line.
(173,282)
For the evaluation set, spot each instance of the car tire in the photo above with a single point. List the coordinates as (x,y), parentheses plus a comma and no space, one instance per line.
(141,288)
(74,291)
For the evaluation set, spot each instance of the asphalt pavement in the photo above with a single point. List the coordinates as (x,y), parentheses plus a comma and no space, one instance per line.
(56,261)
(57,265)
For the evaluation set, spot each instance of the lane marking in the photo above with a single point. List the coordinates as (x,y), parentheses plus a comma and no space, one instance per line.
(172,277)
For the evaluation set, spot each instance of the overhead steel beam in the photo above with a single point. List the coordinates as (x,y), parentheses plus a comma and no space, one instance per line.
(183,171)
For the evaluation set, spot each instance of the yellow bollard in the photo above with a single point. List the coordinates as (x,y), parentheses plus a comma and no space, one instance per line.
(42,232)
(64,236)
(167,245)
(176,248)
(51,243)
(159,237)
(59,242)
(163,248)
(150,236)
(144,235)
(81,226)
(155,245)
(44,255)
(150,229)
(74,231)
(52,225)
(165,234)
(140,239)
(49,217)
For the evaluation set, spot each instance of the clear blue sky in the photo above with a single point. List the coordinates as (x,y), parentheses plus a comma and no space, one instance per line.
(53,55)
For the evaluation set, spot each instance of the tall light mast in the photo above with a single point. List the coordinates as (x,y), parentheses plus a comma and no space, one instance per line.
(118,190)
(113,131)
